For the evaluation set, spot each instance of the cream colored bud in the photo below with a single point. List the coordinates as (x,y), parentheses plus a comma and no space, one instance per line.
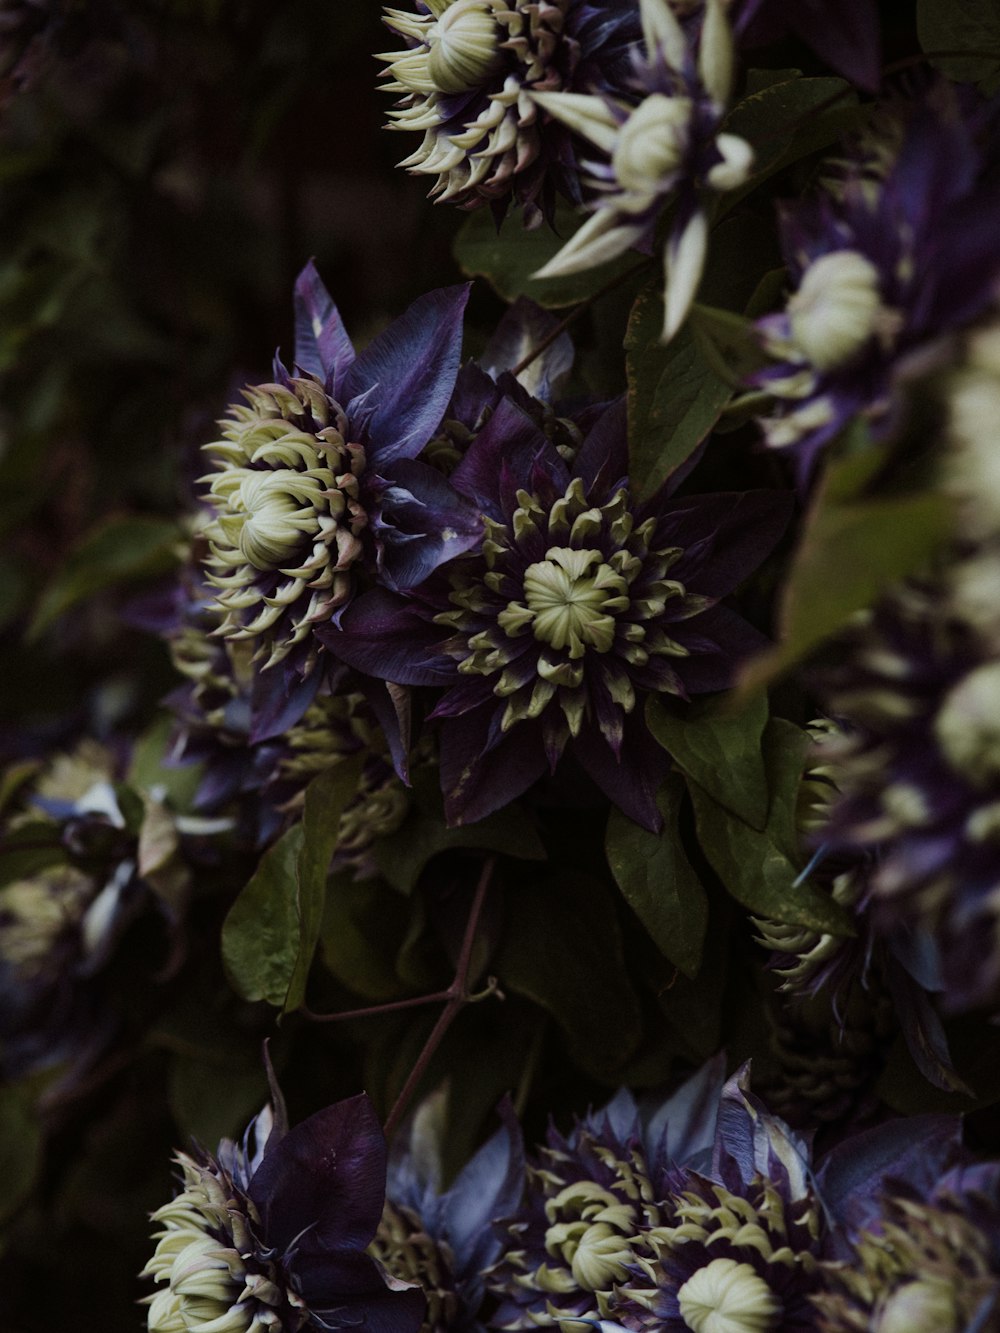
(728,1297)
(920,1307)
(736,165)
(968,725)
(652,143)
(463,47)
(836,309)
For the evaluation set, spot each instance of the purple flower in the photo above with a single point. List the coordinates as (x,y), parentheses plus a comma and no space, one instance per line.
(466,79)
(271,1233)
(887,258)
(581,602)
(661,144)
(844,33)
(317,478)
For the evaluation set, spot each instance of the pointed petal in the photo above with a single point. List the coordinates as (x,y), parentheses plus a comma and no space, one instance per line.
(716,55)
(509,437)
(684,260)
(661,29)
(481,773)
(633,783)
(601,238)
(322,346)
(585,115)
(383,635)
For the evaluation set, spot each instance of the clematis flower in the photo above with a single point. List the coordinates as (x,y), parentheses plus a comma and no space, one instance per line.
(581,602)
(270,1234)
(447,1239)
(920,780)
(316,477)
(667,147)
(844,33)
(466,79)
(885,260)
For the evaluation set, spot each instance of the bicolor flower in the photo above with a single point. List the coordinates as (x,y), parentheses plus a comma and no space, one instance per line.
(447,1239)
(316,477)
(667,147)
(466,77)
(887,258)
(271,1234)
(581,602)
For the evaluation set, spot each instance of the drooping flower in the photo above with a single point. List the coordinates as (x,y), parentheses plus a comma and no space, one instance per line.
(594,1202)
(316,477)
(920,776)
(271,1234)
(664,144)
(447,1239)
(466,78)
(581,602)
(885,260)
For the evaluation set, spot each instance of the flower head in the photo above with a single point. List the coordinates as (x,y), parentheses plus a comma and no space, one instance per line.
(885,260)
(315,477)
(581,603)
(466,79)
(271,1234)
(664,143)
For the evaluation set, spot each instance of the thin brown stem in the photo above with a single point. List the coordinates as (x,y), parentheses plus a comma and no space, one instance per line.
(578,310)
(457,996)
(412,1002)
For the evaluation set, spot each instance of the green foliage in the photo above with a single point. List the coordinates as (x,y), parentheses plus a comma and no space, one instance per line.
(116,551)
(674,395)
(720,749)
(509,257)
(959,26)
(20,1150)
(851,550)
(365,924)
(272,930)
(658,882)
(760,867)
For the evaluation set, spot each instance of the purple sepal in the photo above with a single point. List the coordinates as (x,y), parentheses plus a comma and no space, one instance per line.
(603,457)
(685,1124)
(414,362)
(482,769)
(724,536)
(421,522)
(277,701)
(632,782)
(486,1190)
(392,707)
(844,33)
(384,636)
(523,327)
(322,346)
(724,640)
(756,1142)
(510,441)
(326,1175)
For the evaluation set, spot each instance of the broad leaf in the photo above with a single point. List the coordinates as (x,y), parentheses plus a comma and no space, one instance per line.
(658,882)
(117,551)
(760,868)
(963,25)
(20,1150)
(721,750)
(674,395)
(364,925)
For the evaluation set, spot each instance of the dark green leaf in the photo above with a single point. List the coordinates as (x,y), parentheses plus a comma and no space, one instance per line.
(721,750)
(759,868)
(148,772)
(657,881)
(30,849)
(119,550)
(563,949)
(364,924)
(402,856)
(963,25)
(20,1150)
(851,550)
(214,1099)
(508,258)
(674,396)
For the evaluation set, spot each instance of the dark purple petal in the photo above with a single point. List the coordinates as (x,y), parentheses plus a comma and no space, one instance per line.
(277,701)
(603,457)
(524,327)
(510,440)
(486,1190)
(482,771)
(422,522)
(323,1186)
(725,537)
(632,783)
(377,1311)
(414,363)
(384,636)
(322,346)
(733,640)
(391,705)
(844,33)
(685,1124)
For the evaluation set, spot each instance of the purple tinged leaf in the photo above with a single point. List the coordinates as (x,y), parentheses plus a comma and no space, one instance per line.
(383,635)
(322,346)
(413,364)
(324,1183)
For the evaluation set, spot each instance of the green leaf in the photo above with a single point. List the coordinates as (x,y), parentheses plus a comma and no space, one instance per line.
(20,1150)
(562,948)
(364,925)
(147,771)
(214,1099)
(29,849)
(657,881)
(118,550)
(674,396)
(851,550)
(963,25)
(271,932)
(507,258)
(720,749)
(402,856)
(759,868)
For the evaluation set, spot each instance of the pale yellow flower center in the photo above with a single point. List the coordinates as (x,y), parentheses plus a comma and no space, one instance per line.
(591,1231)
(968,725)
(269,514)
(837,309)
(728,1297)
(920,1307)
(652,142)
(463,50)
(569,600)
